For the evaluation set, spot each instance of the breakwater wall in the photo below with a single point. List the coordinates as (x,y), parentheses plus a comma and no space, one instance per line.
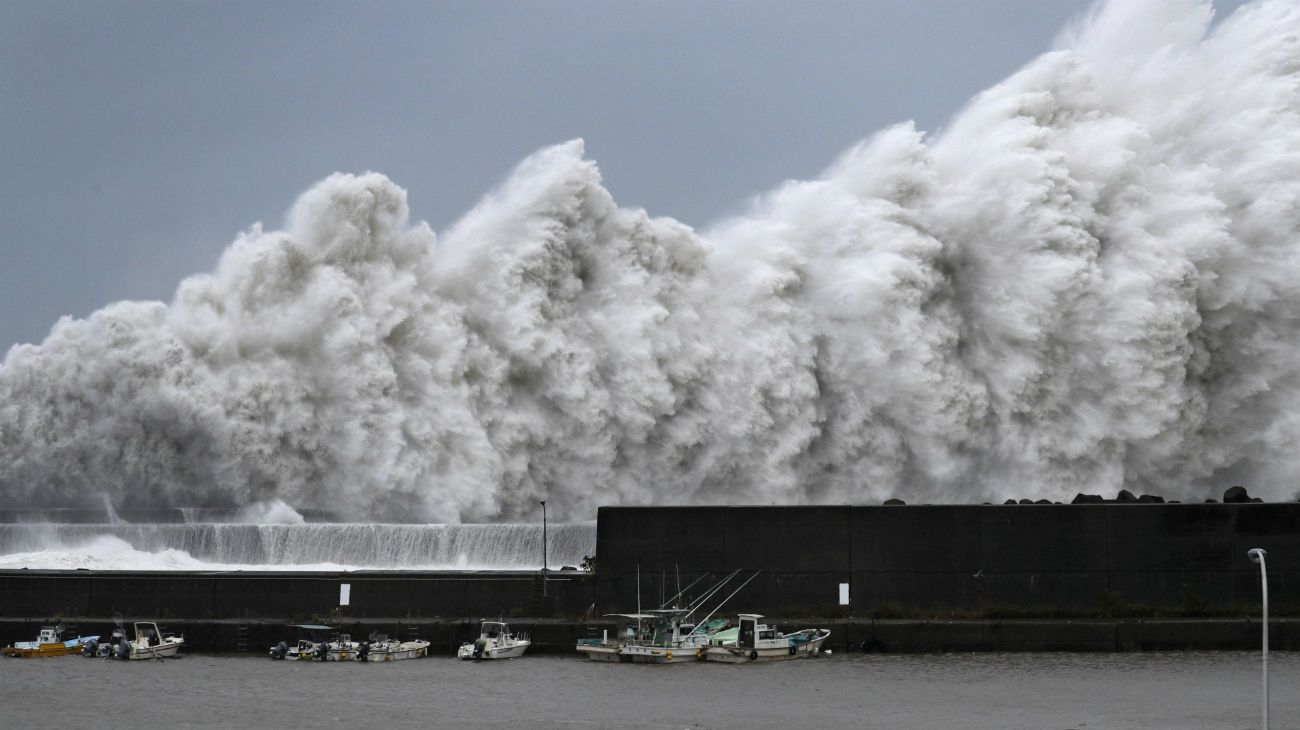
(291,596)
(977,561)
(918,578)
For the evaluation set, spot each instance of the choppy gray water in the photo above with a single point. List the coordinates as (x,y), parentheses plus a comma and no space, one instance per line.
(1188,691)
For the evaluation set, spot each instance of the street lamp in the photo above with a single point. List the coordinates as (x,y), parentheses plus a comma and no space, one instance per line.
(1257,556)
(543,536)
(544,568)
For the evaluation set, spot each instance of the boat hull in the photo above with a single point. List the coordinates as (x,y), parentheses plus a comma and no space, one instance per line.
(41,651)
(407,650)
(160,651)
(660,654)
(29,649)
(513,651)
(600,652)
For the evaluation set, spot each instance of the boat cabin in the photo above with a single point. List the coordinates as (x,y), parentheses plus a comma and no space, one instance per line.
(751,631)
(50,635)
(634,628)
(146,633)
(493,630)
(668,627)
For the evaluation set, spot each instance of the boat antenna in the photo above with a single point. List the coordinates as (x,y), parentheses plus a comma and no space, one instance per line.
(638,599)
(678,569)
(728,598)
(695,605)
(663,578)
(687,588)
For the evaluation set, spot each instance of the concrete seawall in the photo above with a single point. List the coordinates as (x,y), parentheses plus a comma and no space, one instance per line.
(976,561)
(291,596)
(920,578)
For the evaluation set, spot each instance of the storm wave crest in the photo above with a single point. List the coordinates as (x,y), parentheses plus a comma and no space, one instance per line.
(1089,281)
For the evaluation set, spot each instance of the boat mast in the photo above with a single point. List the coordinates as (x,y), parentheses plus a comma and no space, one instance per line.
(728,598)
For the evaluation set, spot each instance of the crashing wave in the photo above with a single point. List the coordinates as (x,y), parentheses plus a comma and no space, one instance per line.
(1087,282)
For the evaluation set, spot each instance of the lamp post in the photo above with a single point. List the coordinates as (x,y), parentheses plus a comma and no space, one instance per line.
(1257,556)
(544,568)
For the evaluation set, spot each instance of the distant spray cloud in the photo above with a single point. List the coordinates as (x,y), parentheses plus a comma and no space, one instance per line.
(1089,281)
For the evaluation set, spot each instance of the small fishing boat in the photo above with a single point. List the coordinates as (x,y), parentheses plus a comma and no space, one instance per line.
(633,628)
(495,641)
(150,643)
(107,648)
(339,649)
(49,642)
(380,648)
(754,641)
(310,637)
(662,636)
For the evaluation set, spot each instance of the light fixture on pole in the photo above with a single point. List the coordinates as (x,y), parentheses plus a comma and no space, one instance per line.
(544,568)
(1257,556)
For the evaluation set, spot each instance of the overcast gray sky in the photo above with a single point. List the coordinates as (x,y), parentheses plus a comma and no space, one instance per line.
(137,138)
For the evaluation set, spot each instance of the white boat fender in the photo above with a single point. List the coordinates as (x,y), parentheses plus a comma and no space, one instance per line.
(827,652)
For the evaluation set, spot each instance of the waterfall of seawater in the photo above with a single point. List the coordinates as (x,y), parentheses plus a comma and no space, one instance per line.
(465,547)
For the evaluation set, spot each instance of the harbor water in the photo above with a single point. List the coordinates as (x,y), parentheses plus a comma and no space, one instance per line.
(1184,690)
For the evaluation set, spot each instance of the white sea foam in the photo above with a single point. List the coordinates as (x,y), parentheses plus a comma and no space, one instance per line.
(1089,281)
(229,546)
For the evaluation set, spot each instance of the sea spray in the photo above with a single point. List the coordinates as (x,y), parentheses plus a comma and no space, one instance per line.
(1086,282)
(217,546)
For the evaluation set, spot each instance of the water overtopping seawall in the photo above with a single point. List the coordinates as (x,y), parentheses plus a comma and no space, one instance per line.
(340,545)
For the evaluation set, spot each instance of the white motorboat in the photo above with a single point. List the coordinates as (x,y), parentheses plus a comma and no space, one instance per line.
(495,641)
(108,648)
(380,648)
(339,649)
(755,641)
(150,643)
(310,638)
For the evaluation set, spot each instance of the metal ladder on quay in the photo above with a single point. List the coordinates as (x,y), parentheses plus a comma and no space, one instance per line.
(241,636)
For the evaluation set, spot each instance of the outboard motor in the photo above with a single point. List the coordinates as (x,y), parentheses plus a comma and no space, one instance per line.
(364,651)
(124,649)
(280,650)
(90,648)
(480,648)
(323,650)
